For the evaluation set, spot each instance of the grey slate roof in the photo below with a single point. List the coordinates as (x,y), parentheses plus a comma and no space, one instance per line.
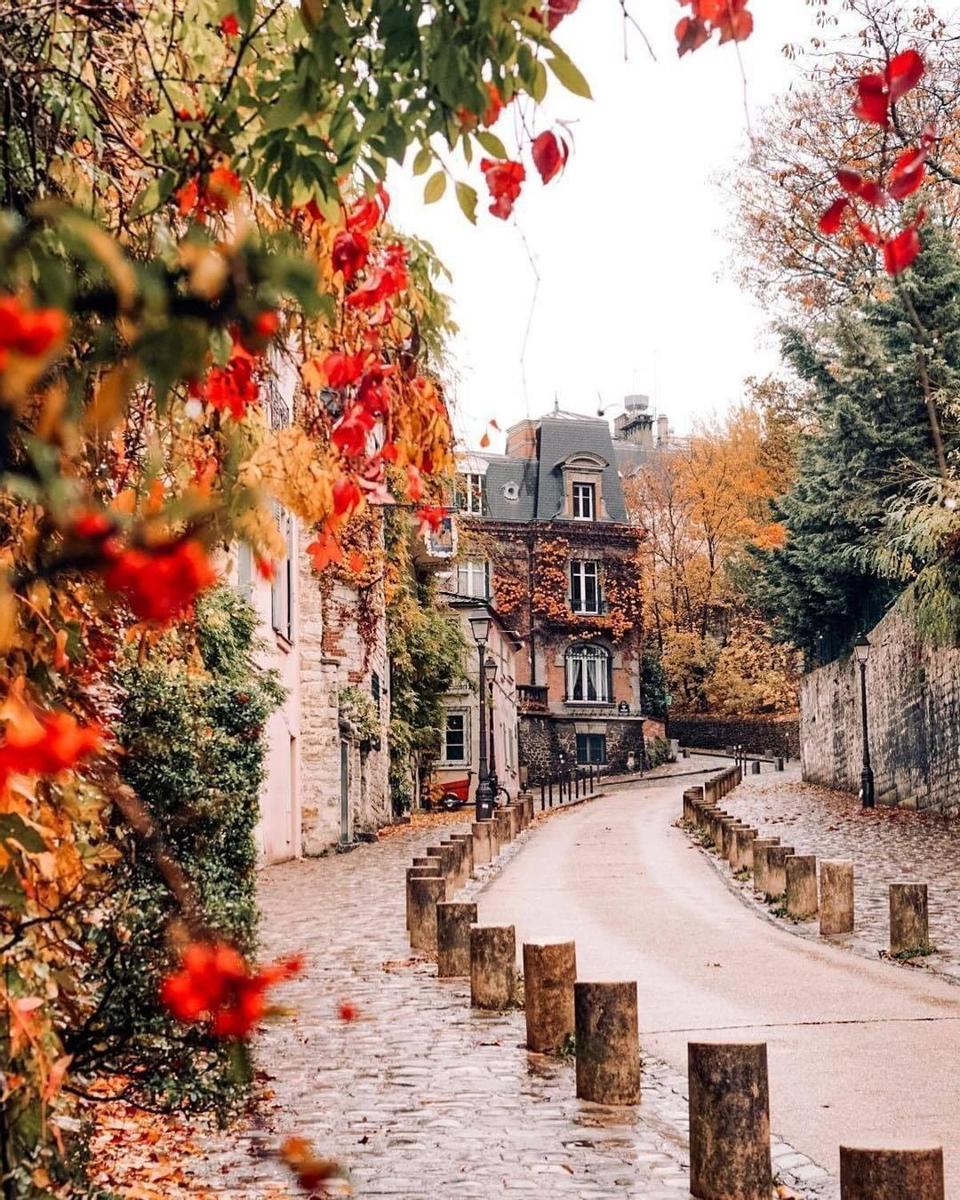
(539,482)
(562,437)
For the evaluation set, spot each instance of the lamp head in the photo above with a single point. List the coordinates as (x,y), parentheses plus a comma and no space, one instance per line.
(490,670)
(861,649)
(480,625)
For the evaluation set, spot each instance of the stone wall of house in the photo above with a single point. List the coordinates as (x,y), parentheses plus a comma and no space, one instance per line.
(333,655)
(757,735)
(548,745)
(913,713)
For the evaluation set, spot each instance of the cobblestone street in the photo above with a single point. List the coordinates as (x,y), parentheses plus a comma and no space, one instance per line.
(887,845)
(420,1096)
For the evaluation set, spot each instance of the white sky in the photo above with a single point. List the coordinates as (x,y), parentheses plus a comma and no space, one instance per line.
(635,293)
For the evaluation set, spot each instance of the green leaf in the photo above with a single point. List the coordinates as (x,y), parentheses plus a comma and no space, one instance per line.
(467,199)
(570,76)
(11,892)
(153,195)
(491,143)
(538,88)
(13,826)
(423,160)
(435,187)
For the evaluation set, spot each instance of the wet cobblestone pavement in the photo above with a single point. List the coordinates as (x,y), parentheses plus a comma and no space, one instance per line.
(420,1096)
(887,845)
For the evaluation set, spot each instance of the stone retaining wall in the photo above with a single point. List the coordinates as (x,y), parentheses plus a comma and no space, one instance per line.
(913,711)
(757,735)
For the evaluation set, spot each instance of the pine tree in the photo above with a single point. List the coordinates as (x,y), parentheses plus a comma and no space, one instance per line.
(870,444)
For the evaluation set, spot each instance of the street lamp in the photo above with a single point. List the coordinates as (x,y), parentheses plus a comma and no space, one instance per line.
(861,651)
(480,625)
(490,674)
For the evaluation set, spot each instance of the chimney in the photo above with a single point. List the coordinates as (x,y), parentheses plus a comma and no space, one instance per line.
(636,424)
(663,430)
(522,440)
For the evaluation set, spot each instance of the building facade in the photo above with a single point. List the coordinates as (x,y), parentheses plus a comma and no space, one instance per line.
(458,766)
(545,536)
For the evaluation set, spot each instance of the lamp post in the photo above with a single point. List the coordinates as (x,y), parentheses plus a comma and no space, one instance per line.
(861,650)
(490,675)
(480,625)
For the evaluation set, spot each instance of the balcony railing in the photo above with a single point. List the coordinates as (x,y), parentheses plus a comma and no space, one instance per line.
(531,697)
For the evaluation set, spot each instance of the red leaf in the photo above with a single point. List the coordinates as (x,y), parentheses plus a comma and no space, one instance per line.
(832,219)
(907,174)
(899,252)
(904,72)
(850,181)
(869,235)
(872,99)
(691,34)
(550,155)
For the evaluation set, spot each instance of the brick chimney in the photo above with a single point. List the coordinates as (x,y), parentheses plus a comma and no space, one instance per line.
(522,440)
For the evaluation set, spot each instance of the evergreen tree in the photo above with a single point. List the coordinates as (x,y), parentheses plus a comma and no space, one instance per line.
(870,442)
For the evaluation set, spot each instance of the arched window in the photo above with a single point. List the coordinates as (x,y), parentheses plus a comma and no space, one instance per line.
(588,674)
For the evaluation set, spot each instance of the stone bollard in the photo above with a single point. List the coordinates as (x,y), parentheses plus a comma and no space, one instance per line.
(415,870)
(761,848)
(779,763)
(909,922)
(493,966)
(549,973)
(449,858)
(426,892)
(453,938)
(776,883)
(891,1174)
(607,1042)
(465,841)
(729,1121)
(724,826)
(755,767)
(482,842)
(502,821)
(741,848)
(514,819)
(836,896)
(801,892)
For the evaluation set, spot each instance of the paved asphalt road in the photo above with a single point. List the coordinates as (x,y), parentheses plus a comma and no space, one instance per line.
(860,1052)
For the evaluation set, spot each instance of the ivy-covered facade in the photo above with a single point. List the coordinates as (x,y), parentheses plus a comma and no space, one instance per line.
(545,536)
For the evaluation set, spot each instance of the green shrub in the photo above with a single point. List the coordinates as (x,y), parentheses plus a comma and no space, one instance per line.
(191,726)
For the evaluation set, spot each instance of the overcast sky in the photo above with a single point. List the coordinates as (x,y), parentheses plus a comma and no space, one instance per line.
(634,292)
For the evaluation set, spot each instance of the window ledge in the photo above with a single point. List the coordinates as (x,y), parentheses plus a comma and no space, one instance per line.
(611,704)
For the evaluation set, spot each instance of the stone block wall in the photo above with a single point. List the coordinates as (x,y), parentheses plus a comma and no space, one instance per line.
(544,739)
(913,712)
(332,656)
(757,735)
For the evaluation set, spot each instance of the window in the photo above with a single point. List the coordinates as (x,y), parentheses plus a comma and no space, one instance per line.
(588,675)
(375,690)
(281,591)
(584,586)
(455,737)
(591,748)
(584,496)
(473,578)
(471,497)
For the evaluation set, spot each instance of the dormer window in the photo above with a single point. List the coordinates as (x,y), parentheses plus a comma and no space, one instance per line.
(584,501)
(471,494)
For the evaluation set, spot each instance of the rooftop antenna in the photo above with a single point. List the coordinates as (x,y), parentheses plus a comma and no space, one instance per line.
(556,403)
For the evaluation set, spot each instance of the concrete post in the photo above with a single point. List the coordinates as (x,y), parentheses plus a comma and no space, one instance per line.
(724,827)
(776,883)
(836,896)
(426,892)
(482,842)
(801,898)
(909,922)
(549,973)
(760,848)
(453,938)
(502,821)
(414,871)
(729,1121)
(514,820)
(891,1174)
(741,848)
(608,1042)
(449,857)
(493,966)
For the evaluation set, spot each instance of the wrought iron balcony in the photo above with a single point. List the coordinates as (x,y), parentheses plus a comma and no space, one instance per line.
(531,698)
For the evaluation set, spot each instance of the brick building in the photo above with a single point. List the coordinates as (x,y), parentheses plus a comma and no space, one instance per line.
(544,534)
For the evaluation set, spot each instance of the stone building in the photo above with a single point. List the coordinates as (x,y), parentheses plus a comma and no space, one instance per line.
(544,534)
(457,769)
